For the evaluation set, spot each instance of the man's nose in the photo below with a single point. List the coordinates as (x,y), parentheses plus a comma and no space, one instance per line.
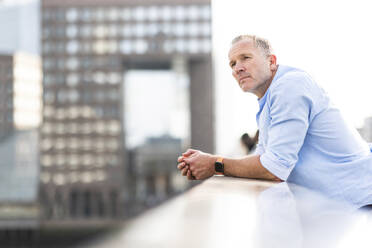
(239,67)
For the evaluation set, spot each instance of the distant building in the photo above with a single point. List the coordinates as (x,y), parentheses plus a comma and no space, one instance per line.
(87,46)
(20,117)
(155,174)
(20,93)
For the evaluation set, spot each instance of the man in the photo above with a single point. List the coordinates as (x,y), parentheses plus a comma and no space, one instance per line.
(303,138)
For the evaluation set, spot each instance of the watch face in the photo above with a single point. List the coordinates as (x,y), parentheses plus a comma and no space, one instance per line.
(218,167)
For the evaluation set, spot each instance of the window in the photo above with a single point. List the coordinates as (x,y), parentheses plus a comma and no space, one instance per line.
(72,63)
(60,114)
(59,179)
(71,15)
(88,159)
(100,161)
(100,175)
(87,112)
(113,30)
(60,129)
(46,160)
(86,31)
(193,29)
(127,30)
(73,177)
(140,46)
(46,32)
(152,29)
(48,64)
(73,112)
(153,13)
(100,127)
(47,128)
(86,15)
(86,128)
(193,46)
(206,29)
(72,47)
(87,145)
(71,31)
(206,12)
(180,45)
(193,12)
(101,31)
(139,13)
(126,14)
(179,29)
(99,77)
(114,127)
(46,144)
(74,158)
(72,129)
(49,96)
(166,28)
(99,144)
(113,14)
(206,45)
(60,159)
(45,177)
(114,78)
(126,46)
(86,177)
(72,79)
(140,30)
(168,46)
(180,13)
(99,14)
(166,13)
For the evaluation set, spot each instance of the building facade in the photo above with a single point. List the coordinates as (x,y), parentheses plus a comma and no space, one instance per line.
(87,46)
(20,93)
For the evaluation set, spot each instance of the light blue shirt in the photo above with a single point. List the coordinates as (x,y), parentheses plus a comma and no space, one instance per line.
(305,140)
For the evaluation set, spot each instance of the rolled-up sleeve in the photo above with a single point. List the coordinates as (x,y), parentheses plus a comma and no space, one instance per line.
(290,105)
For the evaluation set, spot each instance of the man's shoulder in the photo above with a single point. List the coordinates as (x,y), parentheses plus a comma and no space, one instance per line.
(292,79)
(292,73)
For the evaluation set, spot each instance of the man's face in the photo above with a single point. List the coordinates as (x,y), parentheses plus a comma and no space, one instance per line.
(251,68)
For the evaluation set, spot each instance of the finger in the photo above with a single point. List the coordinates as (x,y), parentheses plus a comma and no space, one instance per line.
(188,160)
(189,175)
(180,166)
(188,152)
(184,171)
(180,159)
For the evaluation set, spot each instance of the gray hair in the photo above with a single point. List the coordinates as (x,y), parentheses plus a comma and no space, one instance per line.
(261,43)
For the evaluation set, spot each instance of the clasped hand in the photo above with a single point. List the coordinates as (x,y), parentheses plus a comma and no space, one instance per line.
(196,164)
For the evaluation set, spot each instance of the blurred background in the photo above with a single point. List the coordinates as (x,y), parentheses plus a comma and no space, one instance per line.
(99,97)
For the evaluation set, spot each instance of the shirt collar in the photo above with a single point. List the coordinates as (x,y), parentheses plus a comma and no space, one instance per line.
(262,100)
(278,74)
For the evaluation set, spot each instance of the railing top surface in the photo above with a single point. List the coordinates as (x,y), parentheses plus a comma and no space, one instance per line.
(233,212)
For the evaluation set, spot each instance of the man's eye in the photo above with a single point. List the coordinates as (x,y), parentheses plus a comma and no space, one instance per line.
(232,64)
(247,57)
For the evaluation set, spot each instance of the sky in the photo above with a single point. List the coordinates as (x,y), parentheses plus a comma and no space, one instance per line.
(328,39)
(156,104)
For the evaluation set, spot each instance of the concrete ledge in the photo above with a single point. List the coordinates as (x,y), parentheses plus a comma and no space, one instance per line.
(232,212)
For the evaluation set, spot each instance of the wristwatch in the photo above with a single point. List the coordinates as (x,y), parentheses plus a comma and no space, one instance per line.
(219,167)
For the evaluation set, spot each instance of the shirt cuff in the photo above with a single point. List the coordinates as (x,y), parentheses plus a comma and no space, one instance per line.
(280,169)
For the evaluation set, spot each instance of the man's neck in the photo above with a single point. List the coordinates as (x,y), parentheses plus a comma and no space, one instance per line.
(262,90)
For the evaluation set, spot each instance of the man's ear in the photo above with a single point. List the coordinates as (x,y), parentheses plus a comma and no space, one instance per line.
(272,62)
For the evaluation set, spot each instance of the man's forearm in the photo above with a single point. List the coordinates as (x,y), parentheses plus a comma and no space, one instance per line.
(248,167)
